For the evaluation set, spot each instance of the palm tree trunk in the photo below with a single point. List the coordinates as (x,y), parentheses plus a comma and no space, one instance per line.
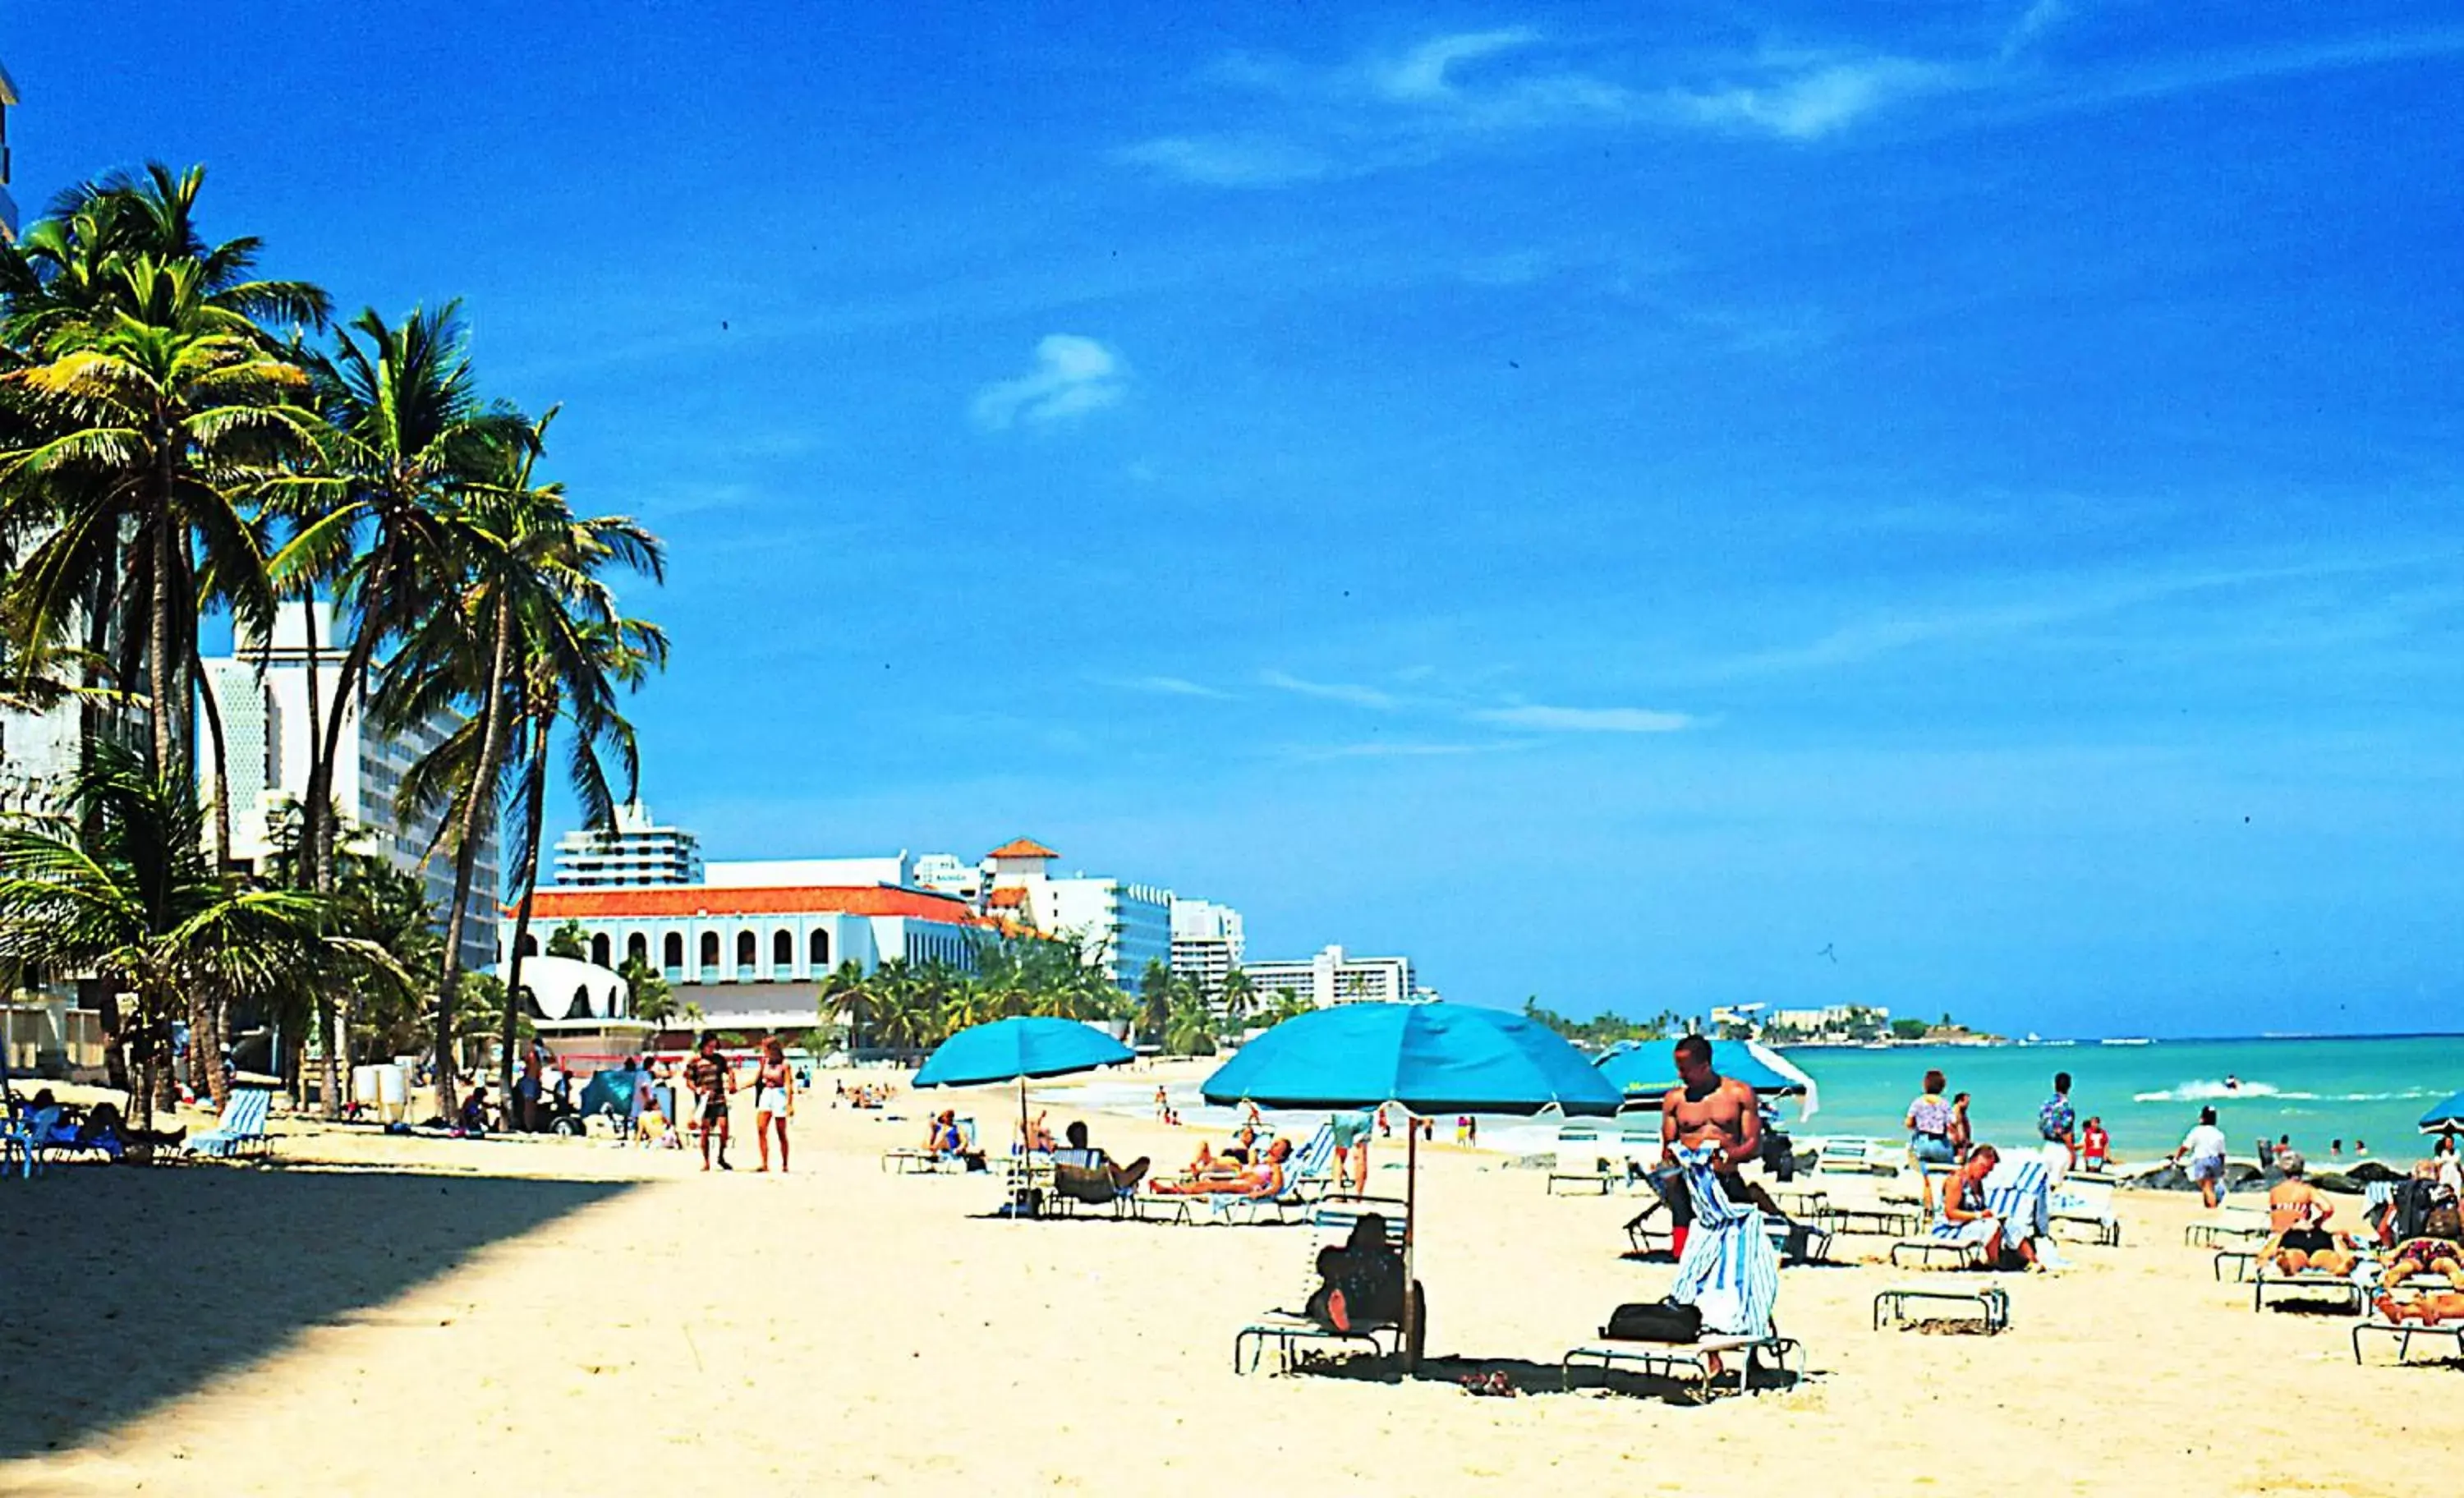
(316,734)
(329,1097)
(316,824)
(543,725)
(479,800)
(159,674)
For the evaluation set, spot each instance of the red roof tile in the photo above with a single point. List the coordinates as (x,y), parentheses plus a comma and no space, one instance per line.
(695,899)
(1021,848)
(1007,897)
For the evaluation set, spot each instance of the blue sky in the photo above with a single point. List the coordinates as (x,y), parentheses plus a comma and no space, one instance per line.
(1609,501)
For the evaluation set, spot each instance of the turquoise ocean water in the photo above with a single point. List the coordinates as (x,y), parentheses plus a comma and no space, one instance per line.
(2370,1089)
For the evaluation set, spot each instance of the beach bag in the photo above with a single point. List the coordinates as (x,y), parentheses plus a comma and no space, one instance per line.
(1653,1321)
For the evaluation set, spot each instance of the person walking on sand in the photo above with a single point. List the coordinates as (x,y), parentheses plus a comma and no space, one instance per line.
(2057,1124)
(710,1079)
(774,1100)
(2205,1145)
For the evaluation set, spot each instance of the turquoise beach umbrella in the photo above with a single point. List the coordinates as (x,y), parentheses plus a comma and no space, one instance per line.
(1431,1058)
(1014,1049)
(2447,1117)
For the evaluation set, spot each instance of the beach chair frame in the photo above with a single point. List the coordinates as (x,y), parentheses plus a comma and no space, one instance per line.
(2351,1298)
(1923,1251)
(1870,1221)
(2404,1332)
(2223,1234)
(1992,1302)
(1689,1364)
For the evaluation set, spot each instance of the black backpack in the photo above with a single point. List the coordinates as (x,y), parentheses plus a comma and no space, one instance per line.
(1653,1321)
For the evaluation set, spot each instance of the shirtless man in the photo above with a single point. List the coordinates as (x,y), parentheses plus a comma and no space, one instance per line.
(1706,1108)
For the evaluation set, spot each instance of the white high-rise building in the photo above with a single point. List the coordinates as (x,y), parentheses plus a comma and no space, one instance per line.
(1128,925)
(1206,942)
(263,694)
(639,852)
(1333,977)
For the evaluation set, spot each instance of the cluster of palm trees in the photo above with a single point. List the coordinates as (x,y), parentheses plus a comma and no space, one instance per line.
(182,438)
(910,1007)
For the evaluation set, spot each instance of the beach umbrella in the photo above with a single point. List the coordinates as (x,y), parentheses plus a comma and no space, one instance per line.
(1648,1068)
(1428,1058)
(2447,1117)
(1016,1049)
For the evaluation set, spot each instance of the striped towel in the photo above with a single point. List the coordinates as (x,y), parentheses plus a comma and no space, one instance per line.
(1729,1271)
(2018,1193)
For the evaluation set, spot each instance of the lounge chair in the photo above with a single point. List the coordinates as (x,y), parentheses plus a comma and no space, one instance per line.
(1307,1176)
(241,1130)
(27,1133)
(907,1160)
(2350,1296)
(2087,1203)
(1582,1161)
(2404,1332)
(1856,1156)
(1689,1364)
(1124,1200)
(1291,1331)
(2015,1193)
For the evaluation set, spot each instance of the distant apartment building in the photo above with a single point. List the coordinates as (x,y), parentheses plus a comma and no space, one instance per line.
(1206,942)
(1126,925)
(751,955)
(1335,977)
(261,689)
(944,873)
(7,204)
(637,851)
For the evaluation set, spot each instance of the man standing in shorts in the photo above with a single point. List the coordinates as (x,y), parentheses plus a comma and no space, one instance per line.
(710,1079)
(1351,1151)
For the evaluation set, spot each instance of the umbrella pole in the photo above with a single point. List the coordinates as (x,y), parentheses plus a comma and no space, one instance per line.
(1411,1229)
(1025,1175)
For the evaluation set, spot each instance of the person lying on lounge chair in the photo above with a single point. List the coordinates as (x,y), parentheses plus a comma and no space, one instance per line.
(2297,1214)
(103,1121)
(2436,1253)
(1266,1179)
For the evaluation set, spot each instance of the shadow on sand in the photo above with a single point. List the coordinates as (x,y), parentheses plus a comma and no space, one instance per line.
(1522,1376)
(127,1289)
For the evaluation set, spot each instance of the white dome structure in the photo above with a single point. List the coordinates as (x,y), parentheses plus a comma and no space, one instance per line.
(568,989)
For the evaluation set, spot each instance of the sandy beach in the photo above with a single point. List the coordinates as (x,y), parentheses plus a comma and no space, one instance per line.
(371,1314)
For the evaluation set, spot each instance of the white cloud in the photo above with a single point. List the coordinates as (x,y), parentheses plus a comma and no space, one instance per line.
(1072,376)
(1807,100)
(1421,73)
(1589,720)
(1168,686)
(1228,161)
(1330,691)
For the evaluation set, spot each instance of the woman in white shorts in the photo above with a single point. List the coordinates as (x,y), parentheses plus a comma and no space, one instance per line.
(774,1100)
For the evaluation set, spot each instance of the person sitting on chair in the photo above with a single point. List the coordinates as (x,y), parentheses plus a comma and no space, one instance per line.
(2299,1216)
(1099,1183)
(2436,1252)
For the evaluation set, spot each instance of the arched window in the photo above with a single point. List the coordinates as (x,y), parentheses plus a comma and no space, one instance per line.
(672,953)
(709,950)
(747,949)
(821,950)
(782,951)
(530,945)
(599,949)
(637,948)
(580,1008)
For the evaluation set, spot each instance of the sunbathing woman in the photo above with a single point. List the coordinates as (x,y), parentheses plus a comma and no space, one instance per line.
(1266,1179)
(2299,1216)
(2436,1252)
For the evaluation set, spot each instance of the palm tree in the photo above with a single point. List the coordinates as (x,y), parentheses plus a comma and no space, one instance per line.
(1158,990)
(1288,1004)
(622,650)
(843,991)
(121,885)
(407,436)
(529,588)
(1239,1001)
(149,397)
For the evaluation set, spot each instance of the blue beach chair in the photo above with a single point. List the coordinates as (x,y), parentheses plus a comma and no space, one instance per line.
(241,1130)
